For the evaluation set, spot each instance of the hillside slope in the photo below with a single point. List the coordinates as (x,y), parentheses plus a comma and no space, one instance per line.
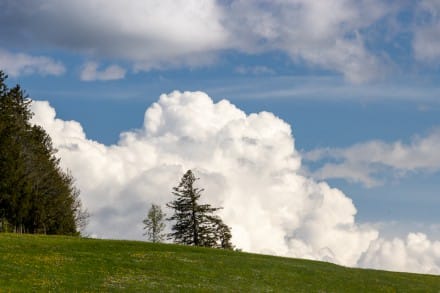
(43,263)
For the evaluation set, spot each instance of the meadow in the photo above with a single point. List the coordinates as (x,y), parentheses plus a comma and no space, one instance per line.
(30,263)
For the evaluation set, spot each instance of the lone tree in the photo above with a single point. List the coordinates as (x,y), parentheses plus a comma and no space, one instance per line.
(196,224)
(154,224)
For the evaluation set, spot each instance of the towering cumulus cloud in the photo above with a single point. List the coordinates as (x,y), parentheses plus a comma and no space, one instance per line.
(247,164)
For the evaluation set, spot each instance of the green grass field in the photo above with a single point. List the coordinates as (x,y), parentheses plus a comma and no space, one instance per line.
(48,263)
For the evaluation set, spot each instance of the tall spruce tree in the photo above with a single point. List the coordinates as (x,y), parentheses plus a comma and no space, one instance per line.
(195,223)
(36,195)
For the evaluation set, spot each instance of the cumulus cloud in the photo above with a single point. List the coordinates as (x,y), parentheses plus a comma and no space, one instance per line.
(16,64)
(364,162)
(90,72)
(160,34)
(415,254)
(247,164)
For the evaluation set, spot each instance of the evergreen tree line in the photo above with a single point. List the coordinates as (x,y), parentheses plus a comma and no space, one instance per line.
(193,223)
(36,195)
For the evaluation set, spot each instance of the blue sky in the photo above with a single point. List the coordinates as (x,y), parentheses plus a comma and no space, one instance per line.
(357,81)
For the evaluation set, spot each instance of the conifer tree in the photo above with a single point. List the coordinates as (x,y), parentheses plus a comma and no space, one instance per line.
(223,234)
(36,195)
(14,130)
(154,224)
(195,223)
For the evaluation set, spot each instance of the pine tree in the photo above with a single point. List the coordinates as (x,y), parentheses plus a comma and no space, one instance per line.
(225,237)
(195,224)
(14,131)
(154,224)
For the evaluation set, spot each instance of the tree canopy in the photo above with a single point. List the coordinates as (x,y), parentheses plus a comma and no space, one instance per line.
(36,195)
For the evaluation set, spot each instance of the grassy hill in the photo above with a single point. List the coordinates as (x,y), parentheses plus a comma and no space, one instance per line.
(43,263)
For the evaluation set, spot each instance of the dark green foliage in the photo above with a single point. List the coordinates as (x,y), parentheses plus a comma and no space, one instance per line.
(36,196)
(31,263)
(154,224)
(223,234)
(196,224)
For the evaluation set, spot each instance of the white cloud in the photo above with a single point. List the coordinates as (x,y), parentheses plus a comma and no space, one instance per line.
(255,70)
(16,64)
(160,34)
(151,33)
(90,72)
(322,33)
(415,254)
(364,162)
(426,43)
(247,164)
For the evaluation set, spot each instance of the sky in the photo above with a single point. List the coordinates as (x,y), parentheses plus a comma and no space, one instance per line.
(315,124)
